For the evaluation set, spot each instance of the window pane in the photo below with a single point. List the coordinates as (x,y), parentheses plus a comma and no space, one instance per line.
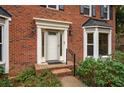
(86,9)
(60,44)
(0,34)
(90,38)
(42,44)
(105,11)
(0,52)
(52,6)
(103,44)
(90,50)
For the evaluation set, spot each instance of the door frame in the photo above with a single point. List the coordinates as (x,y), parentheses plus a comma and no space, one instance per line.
(42,24)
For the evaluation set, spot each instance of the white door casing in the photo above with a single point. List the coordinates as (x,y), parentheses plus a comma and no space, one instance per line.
(43,24)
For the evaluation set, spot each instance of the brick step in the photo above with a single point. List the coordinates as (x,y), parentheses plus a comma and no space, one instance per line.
(62,72)
(52,67)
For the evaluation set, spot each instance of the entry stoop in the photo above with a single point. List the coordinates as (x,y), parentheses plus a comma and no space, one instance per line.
(57,69)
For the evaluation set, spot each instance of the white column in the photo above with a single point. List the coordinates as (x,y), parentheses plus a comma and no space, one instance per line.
(39,45)
(110,43)
(65,38)
(85,44)
(6,46)
(96,44)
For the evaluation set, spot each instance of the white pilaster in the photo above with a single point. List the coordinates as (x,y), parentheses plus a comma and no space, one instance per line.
(39,36)
(110,42)
(96,44)
(85,44)
(6,45)
(65,40)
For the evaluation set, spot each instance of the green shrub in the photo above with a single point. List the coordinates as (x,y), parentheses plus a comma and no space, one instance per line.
(25,75)
(48,79)
(101,72)
(5,82)
(119,56)
(1,70)
(28,78)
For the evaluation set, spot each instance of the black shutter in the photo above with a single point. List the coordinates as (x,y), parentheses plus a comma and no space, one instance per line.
(102,11)
(61,7)
(43,5)
(110,12)
(81,9)
(93,10)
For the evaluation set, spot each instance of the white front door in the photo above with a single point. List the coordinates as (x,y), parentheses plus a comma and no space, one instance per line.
(52,46)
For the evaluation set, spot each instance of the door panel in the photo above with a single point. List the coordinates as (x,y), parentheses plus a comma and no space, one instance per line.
(52,46)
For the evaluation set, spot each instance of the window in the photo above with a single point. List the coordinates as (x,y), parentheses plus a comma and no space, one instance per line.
(42,44)
(1,43)
(90,44)
(52,6)
(89,10)
(57,7)
(105,12)
(97,42)
(60,44)
(103,44)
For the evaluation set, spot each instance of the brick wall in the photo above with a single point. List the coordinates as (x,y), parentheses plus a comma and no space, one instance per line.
(22,42)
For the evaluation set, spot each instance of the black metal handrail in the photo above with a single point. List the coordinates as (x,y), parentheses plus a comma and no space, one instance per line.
(74,59)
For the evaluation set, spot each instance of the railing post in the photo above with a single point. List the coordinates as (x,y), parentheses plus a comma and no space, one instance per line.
(74,64)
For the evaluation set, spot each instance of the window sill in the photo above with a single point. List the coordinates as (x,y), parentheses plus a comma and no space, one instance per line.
(1,63)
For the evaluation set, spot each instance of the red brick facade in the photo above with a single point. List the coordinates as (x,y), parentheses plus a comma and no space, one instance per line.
(22,39)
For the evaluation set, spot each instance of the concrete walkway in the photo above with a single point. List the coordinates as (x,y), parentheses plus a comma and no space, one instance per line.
(71,81)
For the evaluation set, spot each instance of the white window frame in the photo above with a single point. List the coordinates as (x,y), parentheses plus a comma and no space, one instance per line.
(96,42)
(5,43)
(108,13)
(90,11)
(57,7)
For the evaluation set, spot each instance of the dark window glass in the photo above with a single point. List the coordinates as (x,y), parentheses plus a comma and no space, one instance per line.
(52,6)
(52,33)
(90,38)
(104,11)
(60,44)
(90,44)
(0,34)
(103,44)
(86,9)
(61,7)
(90,50)
(42,44)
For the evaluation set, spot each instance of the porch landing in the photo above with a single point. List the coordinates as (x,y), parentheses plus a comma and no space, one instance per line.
(57,69)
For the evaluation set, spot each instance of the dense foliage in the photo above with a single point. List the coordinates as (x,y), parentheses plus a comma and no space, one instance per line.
(5,82)
(48,79)
(119,23)
(101,72)
(28,78)
(1,70)
(119,56)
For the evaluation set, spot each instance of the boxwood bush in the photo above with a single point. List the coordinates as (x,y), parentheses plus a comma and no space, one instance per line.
(101,72)
(1,70)
(28,78)
(119,55)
